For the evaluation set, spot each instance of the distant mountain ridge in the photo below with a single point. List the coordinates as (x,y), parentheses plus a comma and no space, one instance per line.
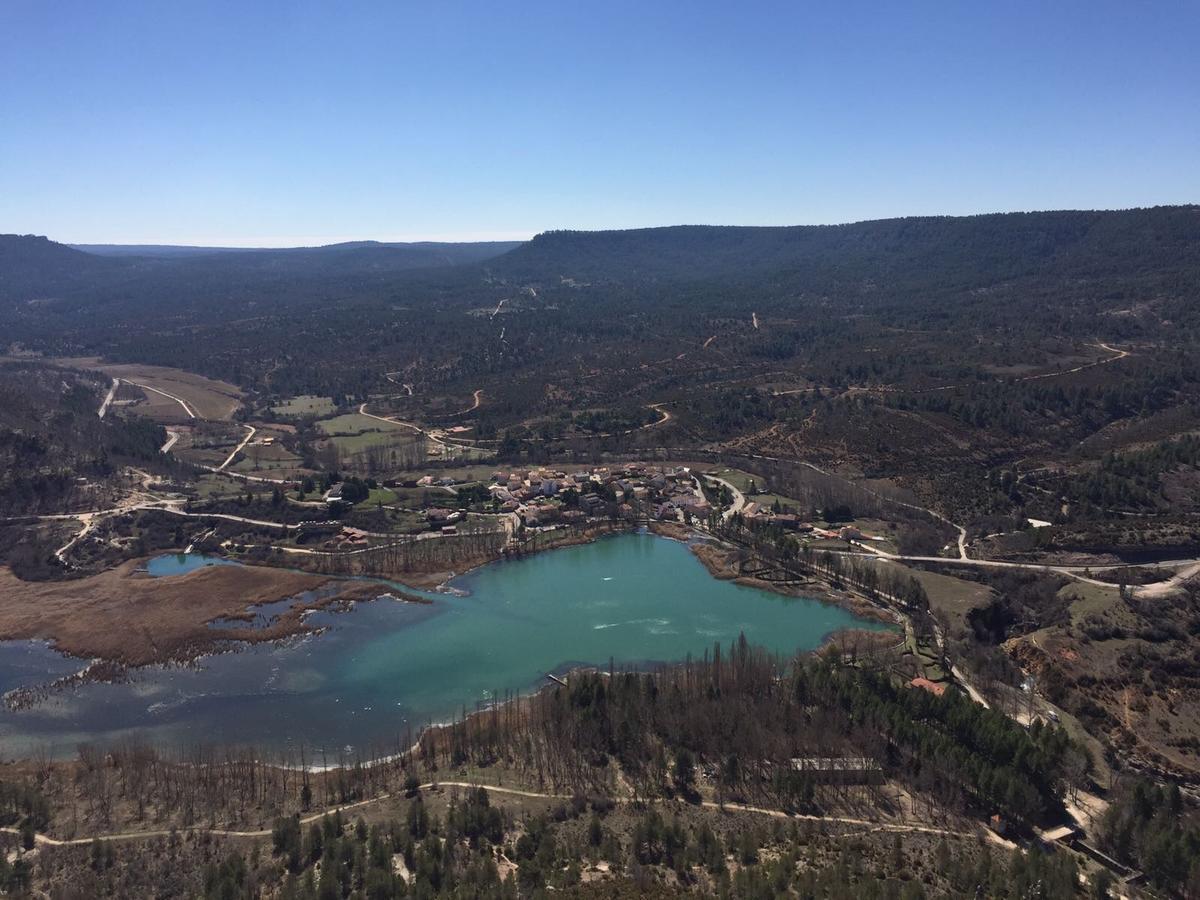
(33,267)
(892,259)
(169,251)
(997,244)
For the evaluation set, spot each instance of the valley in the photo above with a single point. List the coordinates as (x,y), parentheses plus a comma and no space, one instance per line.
(905,462)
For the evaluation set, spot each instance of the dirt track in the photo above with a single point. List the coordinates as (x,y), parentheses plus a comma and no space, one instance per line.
(730,808)
(200,397)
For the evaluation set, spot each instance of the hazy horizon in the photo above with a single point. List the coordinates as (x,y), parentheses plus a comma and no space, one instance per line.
(288,125)
(270,243)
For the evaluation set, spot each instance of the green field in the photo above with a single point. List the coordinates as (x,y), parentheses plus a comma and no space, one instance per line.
(380,495)
(357,423)
(304,405)
(213,487)
(350,444)
(1091,599)
(741,480)
(952,597)
(353,433)
(263,459)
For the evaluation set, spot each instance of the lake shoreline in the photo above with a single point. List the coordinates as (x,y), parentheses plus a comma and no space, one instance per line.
(649,635)
(124,616)
(719,558)
(109,663)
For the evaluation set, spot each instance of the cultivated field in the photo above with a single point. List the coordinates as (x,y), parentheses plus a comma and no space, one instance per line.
(207,398)
(304,405)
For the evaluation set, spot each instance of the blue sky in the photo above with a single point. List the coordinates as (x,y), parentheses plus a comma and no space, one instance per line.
(276,124)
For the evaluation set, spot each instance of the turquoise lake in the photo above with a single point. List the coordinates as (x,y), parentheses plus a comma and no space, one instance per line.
(386,667)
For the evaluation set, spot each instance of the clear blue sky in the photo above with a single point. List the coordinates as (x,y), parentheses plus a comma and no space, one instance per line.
(259,123)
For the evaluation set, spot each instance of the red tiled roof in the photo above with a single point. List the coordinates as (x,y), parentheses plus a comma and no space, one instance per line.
(932,686)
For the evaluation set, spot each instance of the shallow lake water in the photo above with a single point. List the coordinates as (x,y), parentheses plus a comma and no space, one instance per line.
(386,667)
(182,563)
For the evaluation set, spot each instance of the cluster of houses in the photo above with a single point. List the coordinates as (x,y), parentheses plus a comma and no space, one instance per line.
(338,536)
(545,496)
(444,519)
(542,496)
(754,512)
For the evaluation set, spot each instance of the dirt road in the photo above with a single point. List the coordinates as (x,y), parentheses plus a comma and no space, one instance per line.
(658,408)
(1170,586)
(48,841)
(186,407)
(1075,572)
(108,398)
(1120,354)
(250,429)
(362,411)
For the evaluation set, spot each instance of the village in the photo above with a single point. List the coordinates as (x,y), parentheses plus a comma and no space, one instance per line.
(547,498)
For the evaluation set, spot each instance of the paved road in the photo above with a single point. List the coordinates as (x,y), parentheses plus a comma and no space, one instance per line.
(739,499)
(242,476)
(175,511)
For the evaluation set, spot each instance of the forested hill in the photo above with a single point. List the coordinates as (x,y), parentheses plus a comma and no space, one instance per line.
(356,310)
(35,268)
(397,254)
(355,258)
(947,249)
(32,267)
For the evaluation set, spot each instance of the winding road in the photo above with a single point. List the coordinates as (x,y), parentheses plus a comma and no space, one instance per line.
(739,499)
(362,411)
